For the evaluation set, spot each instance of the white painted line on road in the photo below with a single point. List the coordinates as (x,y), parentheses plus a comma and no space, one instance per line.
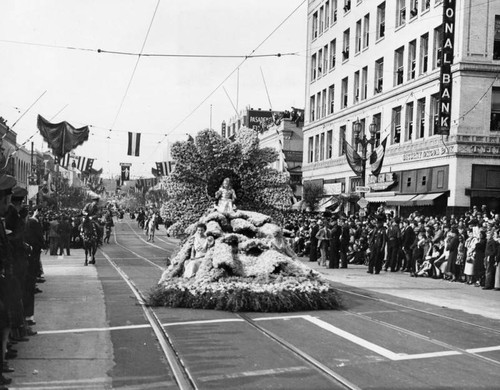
(352,338)
(245,374)
(277,318)
(203,322)
(402,356)
(83,330)
(484,349)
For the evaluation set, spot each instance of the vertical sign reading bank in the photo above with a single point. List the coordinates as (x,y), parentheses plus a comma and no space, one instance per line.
(445,85)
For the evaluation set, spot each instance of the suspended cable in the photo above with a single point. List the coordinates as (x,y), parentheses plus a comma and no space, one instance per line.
(158,55)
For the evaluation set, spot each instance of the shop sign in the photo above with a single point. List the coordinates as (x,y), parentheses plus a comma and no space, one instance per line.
(446,59)
(482,149)
(333,188)
(382,182)
(423,154)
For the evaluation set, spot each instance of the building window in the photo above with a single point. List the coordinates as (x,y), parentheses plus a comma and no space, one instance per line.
(399,66)
(364,83)
(344,87)
(315,26)
(424,53)
(379,75)
(323,103)
(496,44)
(322,147)
(347,5)
(381,21)
(421,118)
(341,140)
(495,109)
(313,67)
(316,148)
(312,105)
(408,181)
(396,125)
(438,38)
(366,32)
(345,47)
(327,14)
(331,99)
(356,91)
(377,119)
(321,20)
(320,63)
(424,180)
(325,59)
(333,47)
(334,11)
(426,4)
(310,150)
(434,115)
(400,13)
(413,8)
(409,122)
(318,105)
(329,144)
(412,60)
(357,42)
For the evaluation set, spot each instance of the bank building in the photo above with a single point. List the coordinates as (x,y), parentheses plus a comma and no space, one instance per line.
(377,70)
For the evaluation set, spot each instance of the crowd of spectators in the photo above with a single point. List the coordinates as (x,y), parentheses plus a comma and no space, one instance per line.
(24,234)
(463,248)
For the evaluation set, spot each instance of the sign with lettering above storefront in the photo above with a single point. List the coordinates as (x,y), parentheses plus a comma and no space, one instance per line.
(382,181)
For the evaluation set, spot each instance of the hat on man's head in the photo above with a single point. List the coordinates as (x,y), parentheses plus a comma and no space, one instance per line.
(7,182)
(19,193)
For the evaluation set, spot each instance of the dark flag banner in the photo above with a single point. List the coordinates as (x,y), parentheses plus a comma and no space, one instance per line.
(61,137)
(154,172)
(353,159)
(134,144)
(125,173)
(377,158)
(164,168)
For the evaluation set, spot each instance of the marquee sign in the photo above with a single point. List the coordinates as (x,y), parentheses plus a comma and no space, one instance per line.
(445,81)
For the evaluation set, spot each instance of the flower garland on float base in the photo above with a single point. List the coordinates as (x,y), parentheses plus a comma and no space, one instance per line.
(242,271)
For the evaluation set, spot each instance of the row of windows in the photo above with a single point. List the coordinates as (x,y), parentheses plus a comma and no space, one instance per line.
(413,121)
(327,15)
(405,68)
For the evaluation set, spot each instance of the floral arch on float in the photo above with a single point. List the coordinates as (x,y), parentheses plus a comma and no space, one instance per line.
(226,201)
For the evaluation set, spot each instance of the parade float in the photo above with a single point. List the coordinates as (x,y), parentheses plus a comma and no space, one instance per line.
(233,258)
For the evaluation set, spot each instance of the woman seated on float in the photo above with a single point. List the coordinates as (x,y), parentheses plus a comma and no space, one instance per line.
(279,244)
(201,243)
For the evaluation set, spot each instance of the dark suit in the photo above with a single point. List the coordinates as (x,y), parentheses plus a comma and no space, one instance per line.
(334,249)
(408,240)
(34,238)
(313,251)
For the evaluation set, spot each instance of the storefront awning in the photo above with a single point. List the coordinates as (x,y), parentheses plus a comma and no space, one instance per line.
(426,199)
(482,193)
(380,198)
(403,200)
(326,203)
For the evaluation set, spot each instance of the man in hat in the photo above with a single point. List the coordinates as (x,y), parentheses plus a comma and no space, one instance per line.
(91,209)
(334,248)
(377,244)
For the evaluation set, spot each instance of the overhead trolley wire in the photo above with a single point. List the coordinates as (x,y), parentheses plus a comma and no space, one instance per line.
(160,55)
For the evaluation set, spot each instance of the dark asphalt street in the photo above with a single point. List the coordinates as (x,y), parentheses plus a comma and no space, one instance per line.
(94,333)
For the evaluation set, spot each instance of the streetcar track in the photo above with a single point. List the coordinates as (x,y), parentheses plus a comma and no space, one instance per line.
(497,331)
(174,358)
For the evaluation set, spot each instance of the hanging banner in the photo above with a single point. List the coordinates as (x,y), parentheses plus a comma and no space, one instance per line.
(125,167)
(445,79)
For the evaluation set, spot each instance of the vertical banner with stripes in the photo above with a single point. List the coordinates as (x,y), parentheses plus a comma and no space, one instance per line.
(84,164)
(164,168)
(134,144)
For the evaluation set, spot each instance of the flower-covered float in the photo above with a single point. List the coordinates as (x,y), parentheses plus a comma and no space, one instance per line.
(242,264)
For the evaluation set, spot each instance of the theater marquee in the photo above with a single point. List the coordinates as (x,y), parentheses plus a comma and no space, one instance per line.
(445,90)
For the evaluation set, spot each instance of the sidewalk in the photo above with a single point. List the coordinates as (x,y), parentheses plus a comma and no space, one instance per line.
(439,292)
(59,357)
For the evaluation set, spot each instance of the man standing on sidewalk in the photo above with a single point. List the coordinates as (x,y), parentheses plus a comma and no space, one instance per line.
(334,248)
(377,243)
(344,243)
(393,245)
(408,245)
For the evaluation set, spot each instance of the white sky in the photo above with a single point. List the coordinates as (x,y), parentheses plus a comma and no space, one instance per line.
(164,91)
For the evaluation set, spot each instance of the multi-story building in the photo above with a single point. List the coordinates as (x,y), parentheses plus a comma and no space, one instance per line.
(280,130)
(375,65)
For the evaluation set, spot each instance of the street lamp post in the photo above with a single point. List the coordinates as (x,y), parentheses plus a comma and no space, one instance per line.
(360,139)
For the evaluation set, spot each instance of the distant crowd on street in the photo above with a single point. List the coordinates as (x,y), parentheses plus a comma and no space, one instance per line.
(463,248)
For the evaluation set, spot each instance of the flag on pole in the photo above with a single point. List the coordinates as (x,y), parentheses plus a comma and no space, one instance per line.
(164,168)
(353,158)
(84,164)
(134,144)
(377,158)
